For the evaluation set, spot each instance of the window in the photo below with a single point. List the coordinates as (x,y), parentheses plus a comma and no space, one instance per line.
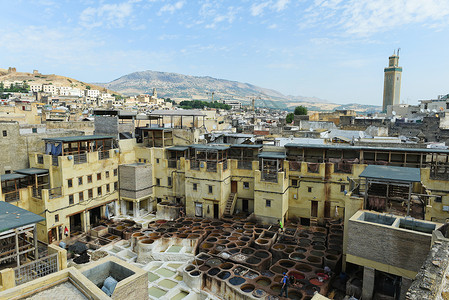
(5,133)
(89,178)
(294,182)
(157,160)
(267,203)
(99,190)
(98,176)
(210,189)
(438,199)
(40,159)
(81,196)
(56,218)
(115,172)
(90,193)
(115,185)
(246,185)
(198,209)
(106,174)
(7,171)
(169,181)
(309,189)
(158,181)
(34,130)
(80,180)
(70,199)
(158,200)
(195,187)
(342,188)
(108,188)
(69,183)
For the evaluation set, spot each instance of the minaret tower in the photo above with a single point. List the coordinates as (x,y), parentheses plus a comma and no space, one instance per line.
(392,82)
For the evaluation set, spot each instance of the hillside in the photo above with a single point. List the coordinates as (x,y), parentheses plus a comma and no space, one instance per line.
(48,79)
(178,86)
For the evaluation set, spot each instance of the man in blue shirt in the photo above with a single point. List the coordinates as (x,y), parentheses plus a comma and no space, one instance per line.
(284,286)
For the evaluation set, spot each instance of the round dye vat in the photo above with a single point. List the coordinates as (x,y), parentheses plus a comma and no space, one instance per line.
(320,229)
(236,280)
(195,273)
(216,223)
(206,245)
(319,248)
(220,248)
(331,257)
(294,294)
(314,259)
(297,275)
(231,245)
(278,269)
(318,241)
(240,244)
(289,250)
(316,282)
(224,275)
(304,242)
(317,253)
(233,238)
(213,271)
(276,288)
(234,250)
(262,241)
(247,288)
(300,250)
(245,239)
(253,260)
(193,236)
(226,266)
(267,273)
(189,268)
(279,247)
(211,240)
(213,262)
(333,252)
(297,256)
(204,268)
(147,241)
(198,262)
(319,234)
(304,268)
(263,281)
(262,254)
(247,250)
(258,293)
(182,235)
(223,242)
(286,263)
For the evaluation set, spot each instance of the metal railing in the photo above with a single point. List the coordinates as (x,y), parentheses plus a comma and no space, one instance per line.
(103,154)
(55,192)
(211,167)
(12,196)
(194,165)
(225,164)
(80,158)
(36,269)
(54,160)
(37,192)
(245,164)
(271,176)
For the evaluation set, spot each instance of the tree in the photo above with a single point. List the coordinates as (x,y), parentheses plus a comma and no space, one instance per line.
(300,110)
(289,118)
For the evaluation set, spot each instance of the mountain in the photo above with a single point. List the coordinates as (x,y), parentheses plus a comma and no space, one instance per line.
(178,86)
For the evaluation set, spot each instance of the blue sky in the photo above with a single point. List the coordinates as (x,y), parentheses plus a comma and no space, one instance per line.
(334,49)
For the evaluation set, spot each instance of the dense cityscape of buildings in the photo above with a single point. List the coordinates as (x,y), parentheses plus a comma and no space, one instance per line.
(220,204)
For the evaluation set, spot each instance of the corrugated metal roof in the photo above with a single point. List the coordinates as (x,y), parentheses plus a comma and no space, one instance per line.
(12,217)
(80,138)
(348,147)
(209,147)
(178,148)
(273,155)
(12,176)
(32,171)
(392,173)
(246,146)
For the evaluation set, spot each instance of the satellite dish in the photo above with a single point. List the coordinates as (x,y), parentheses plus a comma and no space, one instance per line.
(393,113)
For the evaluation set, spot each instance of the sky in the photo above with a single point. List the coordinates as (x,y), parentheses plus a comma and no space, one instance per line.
(330,49)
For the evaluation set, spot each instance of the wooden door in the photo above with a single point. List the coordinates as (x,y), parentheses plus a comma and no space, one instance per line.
(233,187)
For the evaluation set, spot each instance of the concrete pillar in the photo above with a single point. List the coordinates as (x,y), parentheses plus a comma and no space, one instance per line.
(116,207)
(7,279)
(62,255)
(136,209)
(368,283)
(405,285)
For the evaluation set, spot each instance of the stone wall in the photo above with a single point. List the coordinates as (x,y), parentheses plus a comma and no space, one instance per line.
(135,180)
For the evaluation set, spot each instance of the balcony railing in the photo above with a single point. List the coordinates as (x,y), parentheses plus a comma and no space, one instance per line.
(80,158)
(245,165)
(55,192)
(54,160)
(270,176)
(103,154)
(294,165)
(225,164)
(211,167)
(12,196)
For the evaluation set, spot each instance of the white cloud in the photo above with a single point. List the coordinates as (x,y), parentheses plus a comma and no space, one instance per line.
(278,6)
(171,8)
(108,15)
(229,17)
(366,17)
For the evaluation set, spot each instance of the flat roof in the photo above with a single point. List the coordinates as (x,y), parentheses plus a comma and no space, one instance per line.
(12,176)
(178,148)
(209,147)
(156,128)
(81,138)
(273,155)
(12,217)
(347,147)
(32,171)
(181,112)
(392,173)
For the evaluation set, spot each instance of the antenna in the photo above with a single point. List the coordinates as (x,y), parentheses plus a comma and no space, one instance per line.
(398,50)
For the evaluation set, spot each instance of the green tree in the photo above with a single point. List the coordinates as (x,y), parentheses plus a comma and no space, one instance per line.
(289,118)
(300,110)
